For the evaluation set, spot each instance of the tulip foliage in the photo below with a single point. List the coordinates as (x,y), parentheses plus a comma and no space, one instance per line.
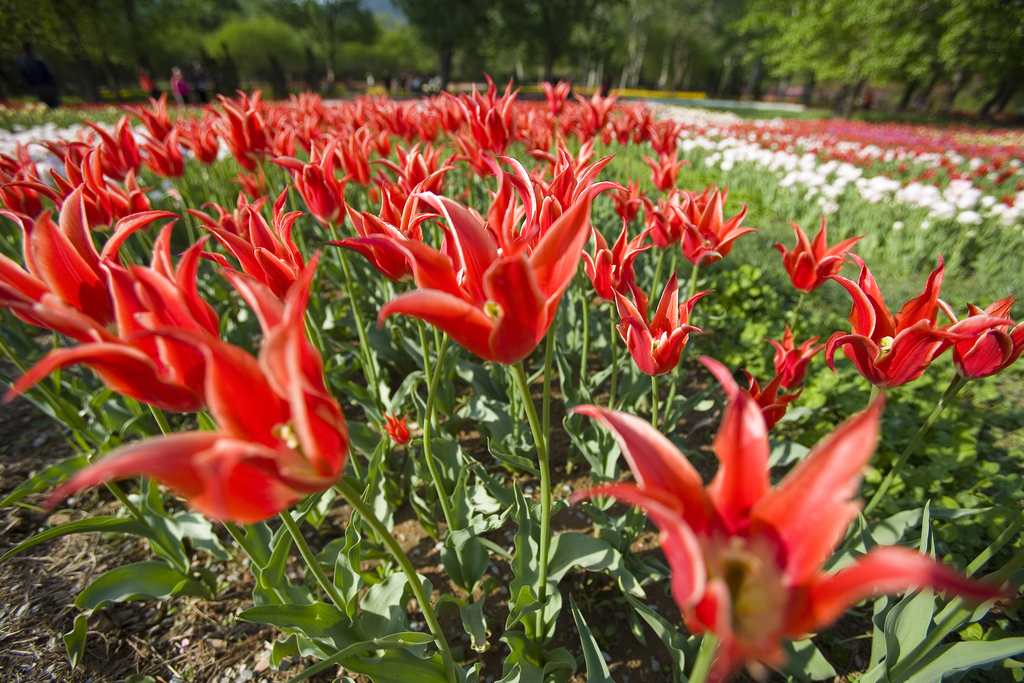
(247,319)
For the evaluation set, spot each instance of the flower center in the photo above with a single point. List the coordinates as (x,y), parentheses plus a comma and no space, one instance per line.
(492,309)
(750,570)
(285,432)
(886,344)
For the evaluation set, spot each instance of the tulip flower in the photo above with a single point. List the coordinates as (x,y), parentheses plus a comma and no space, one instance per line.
(119,154)
(497,305)
(556,95)
(657,344)
(991,350)
(773,407)
(162,372)
(243,129)
(379,240)
(706,236)
(665,223)
(355,152)
(665,171)
(791,362)
(892,350)
(265,252)
(747,558)
(201,137)
(629,201)
(156,120)
(281,435)
(104,202)
(164,157)
(323,193)
(611,270)
(397,429)
(810,264)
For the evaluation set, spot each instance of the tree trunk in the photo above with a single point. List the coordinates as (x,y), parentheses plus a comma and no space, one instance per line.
(680,61)
(311,79)
(1008,93)
(908,92)
(726,75)
(1004,91)
(847,97)
(549,61)
(922,97)
(805,98)
(959,81)
(445,65)
(663,76)
(752,89)
(82,64)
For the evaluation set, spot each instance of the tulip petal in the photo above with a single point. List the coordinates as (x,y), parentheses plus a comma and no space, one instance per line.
(656,463)
(923,306)
(557,255)
(811,509)
(882,570)
(464,323)
(523,317)
(681,547)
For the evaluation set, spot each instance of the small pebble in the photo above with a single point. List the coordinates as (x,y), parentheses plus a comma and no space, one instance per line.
(655,665)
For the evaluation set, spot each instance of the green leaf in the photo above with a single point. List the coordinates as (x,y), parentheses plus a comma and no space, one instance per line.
(786,453)
(527,663)
(74,640)
(139,581)
(597,670)
(399,666)
(54,474)
(946,660)
(475,623)
(805,662)
(318,620)
(103,523)
(516,462)
(907,624)
(383,607)
(465,559)
(678,646)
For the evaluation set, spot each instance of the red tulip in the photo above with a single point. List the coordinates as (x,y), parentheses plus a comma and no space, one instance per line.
(656,345)
(665,223)
(265,252)
(379,240)
(497,305)
(746,558)
(611,270)
(355,149)
(396,428)
(119,154)
(323,193)
(556,95)
(810,264)
(490,118)
(893,350)
(282,436)
(665,171)
(773,407)
(991,350)
(156,120)
(629,201)
(706,236)
(791,362)
(242,127)
(164,157)
(201,137)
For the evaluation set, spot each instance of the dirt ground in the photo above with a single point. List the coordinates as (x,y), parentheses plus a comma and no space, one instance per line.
(188,639)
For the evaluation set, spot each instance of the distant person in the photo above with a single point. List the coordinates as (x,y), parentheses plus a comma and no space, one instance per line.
(146,82)
(199,82)
(417,85)
(369,80)
(606,86)
(179,86)
(39,76)
(325,85)
(386,81)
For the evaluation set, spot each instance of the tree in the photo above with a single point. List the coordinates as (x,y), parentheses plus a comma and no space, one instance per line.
(445,25)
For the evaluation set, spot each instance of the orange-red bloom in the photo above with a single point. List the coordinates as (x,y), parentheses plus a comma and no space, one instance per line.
(665,171)
(791,362)
(657,344)
(746,558)
(282,436)
(556,95)
(323,193)
(611,270)
(893,350)
(397,429)
(707,237)
(810,264)
(991,350)
(629,201)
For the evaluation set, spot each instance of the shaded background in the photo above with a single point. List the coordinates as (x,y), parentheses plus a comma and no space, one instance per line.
(929,58)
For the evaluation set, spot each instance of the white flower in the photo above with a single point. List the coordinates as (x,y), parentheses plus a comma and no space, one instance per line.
(925,225)
(898,225)
(969,218)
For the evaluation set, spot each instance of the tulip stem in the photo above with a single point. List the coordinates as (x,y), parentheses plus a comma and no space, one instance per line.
(311,562)
(540,440)
(796,310)
(705,658)
(654,401)
(364,346)
(994,547)
(161,420)
(947,397)
(615,360)
(549,349)
(428,452)
(586,339)
(691,288)
(415,584)
(657,274)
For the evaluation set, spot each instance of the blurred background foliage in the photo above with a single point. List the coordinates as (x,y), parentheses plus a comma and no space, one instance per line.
(906,55)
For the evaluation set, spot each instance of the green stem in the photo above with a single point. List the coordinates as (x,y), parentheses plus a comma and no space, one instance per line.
(240,538)
(674,383)
(364,347)
(657,275)
(705,658)
(415,584)
(615,359)
(654,401)
(540,439)
(186,198)
(311,562)
(161,420)
(947,397)
(691,289)
(994,547)
(796,311)
(426,350)
(549,349)
(586,340)
(428,453)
